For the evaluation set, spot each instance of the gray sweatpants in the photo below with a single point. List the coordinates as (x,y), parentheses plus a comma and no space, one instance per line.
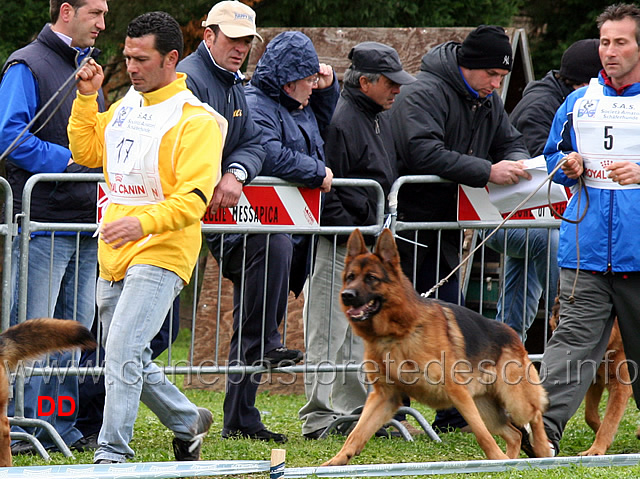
(578,345)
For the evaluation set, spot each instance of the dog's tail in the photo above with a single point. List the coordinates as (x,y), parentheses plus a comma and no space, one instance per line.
(38,336)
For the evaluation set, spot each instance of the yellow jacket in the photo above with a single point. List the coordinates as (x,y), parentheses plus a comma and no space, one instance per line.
(189,159)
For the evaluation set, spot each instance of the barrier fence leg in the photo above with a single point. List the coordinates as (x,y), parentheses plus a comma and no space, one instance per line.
(276,470)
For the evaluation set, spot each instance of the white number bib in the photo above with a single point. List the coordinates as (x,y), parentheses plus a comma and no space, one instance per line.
(607,130)
(133,142)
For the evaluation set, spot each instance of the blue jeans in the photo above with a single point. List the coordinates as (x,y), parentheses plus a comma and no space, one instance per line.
(512,308)
(51,293)
(132,312)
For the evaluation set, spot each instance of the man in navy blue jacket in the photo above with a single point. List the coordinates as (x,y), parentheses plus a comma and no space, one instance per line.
(214,76)
(292,98)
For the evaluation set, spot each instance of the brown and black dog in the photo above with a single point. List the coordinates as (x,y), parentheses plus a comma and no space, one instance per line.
(612,375)
(32,339)
(438,353)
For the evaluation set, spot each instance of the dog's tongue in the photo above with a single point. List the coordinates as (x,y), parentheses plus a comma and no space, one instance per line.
(356,312)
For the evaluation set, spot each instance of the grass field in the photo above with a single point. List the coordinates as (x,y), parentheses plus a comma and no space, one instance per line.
(152,442)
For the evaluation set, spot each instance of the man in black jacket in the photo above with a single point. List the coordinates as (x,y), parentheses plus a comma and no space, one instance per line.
(450,123)
(358,144)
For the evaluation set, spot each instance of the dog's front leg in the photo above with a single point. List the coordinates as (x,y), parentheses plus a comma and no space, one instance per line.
(379,408)
(465,404)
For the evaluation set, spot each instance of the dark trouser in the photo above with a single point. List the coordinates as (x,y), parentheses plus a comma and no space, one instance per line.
(91,392)
(257,333)
(578,345)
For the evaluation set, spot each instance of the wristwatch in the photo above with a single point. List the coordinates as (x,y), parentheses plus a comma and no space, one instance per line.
(239,173)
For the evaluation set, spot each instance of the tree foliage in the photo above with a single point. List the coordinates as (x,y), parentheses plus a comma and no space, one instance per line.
(20,22)
(385,13)
(557,25)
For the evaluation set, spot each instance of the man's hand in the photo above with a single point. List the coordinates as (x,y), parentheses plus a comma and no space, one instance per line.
(508,172)
(226,194)
(624,172)
(325,187)
(574,165)
(325,76)
(121,231)
(90,78)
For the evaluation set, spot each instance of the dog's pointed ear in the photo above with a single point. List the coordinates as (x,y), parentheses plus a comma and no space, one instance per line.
(386,248)
(356,245)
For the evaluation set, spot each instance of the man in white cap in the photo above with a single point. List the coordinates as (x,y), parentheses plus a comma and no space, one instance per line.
(359,144)
(213,75)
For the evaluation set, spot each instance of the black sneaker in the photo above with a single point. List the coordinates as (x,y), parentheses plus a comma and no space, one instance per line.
(19,448)
(89,443)
(261,435)
(275,357)
(190,450)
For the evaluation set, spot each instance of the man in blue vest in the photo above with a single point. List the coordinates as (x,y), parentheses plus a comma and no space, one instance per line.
(31,76)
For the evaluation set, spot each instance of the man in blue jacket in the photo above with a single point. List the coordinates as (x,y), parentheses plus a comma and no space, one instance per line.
(595,131)
(32,76)
(292,97)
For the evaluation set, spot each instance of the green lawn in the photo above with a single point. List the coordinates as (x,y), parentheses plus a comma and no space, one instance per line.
(152,442)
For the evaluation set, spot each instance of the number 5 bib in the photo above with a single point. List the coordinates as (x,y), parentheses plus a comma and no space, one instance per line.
(607,130)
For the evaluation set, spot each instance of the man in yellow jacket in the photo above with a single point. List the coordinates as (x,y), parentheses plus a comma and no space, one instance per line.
(160,150)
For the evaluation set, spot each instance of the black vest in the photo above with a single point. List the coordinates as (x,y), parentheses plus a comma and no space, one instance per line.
(52,61)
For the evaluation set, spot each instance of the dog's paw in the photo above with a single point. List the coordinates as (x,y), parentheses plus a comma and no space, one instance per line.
(593,451)
(337,460)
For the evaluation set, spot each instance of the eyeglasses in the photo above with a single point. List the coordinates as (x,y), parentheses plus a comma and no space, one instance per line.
(312,80)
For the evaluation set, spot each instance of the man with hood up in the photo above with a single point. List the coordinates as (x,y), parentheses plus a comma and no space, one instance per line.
(291,97)
(451,124)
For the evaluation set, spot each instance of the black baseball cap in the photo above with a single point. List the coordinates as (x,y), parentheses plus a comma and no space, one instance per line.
(374,57)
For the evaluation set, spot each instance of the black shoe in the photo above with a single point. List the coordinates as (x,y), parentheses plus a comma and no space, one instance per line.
(261,435)
(387,432)
(448,420)
(336,431)
(288,357)
(190,450)
(105,461)
(19,448)
(89,443)
(525,442)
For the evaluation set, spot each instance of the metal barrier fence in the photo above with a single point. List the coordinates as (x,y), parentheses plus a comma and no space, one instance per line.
(218,365)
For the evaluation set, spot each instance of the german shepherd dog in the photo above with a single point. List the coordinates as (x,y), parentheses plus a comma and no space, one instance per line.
(32,339)
(612,375)
(438,353)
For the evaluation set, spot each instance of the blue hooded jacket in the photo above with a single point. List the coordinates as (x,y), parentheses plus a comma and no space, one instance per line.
(608,235)
(291,136)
